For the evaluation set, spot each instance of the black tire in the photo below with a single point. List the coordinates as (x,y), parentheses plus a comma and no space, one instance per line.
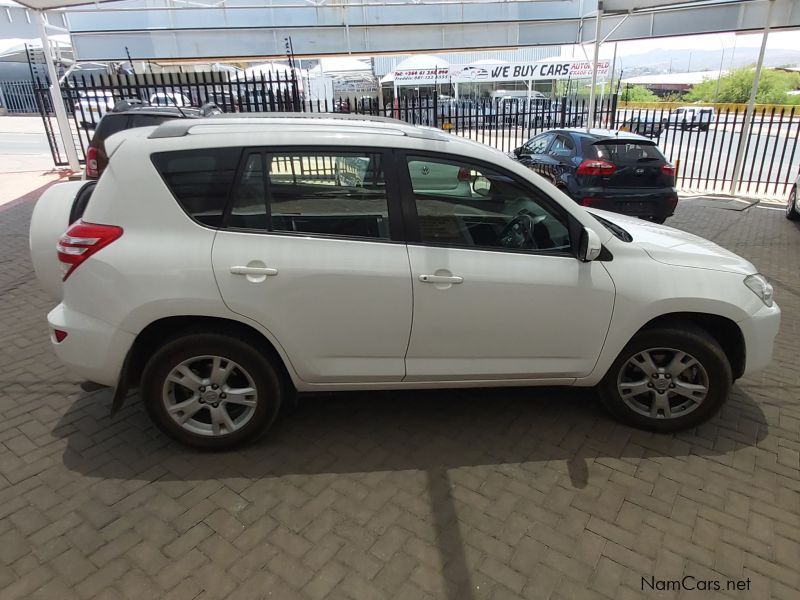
(267,379)
(660,219)
(686,338)
(791,206)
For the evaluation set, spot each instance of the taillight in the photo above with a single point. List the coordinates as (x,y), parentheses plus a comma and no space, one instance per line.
(463,174)
(60,335)
(668,170)
(91,163)
(590,201)
(82,240)
(596,167)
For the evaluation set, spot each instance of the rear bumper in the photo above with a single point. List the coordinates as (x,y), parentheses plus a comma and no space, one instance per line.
(759,331)
(642,202)
(92,349)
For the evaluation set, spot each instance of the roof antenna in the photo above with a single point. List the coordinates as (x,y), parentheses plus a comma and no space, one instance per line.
(175,102)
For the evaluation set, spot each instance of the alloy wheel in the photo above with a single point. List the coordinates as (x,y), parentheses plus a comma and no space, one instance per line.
(663,383)
(210,396)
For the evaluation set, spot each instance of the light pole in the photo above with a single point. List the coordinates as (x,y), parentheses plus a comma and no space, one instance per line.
(751,104)
(599,19)
(719,73)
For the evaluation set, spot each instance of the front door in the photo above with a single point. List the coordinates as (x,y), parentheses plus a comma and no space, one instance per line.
(307,250)
(534,153)
(498,293)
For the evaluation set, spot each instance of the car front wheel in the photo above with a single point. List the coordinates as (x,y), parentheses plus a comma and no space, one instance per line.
(792,210)
(668,379)
(211,390)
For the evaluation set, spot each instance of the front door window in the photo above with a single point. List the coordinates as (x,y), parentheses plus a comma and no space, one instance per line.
(469,205)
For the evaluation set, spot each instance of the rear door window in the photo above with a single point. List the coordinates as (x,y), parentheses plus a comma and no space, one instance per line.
(563,146)
(328,193)
(199,180)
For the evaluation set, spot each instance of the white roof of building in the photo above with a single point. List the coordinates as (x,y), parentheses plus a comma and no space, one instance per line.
(343,64)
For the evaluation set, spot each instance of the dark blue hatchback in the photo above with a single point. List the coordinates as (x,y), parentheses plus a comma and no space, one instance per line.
(612,170)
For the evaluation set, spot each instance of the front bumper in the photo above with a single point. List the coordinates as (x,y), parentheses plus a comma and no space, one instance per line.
(759,331)
(93,349)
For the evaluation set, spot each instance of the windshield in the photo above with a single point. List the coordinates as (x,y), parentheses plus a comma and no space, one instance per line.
(617,231)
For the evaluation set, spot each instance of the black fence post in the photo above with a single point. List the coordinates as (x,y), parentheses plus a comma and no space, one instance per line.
(613,112)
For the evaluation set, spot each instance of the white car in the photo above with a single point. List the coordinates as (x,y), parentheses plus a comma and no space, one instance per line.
(220,265)
(687,117)
(169,99)
(92,105)
(792,206)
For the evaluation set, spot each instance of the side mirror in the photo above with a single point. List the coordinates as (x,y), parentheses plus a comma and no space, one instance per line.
(517,152)
(481,185)
(589,247)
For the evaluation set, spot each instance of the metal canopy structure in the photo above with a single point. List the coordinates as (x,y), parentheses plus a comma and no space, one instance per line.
(201,29)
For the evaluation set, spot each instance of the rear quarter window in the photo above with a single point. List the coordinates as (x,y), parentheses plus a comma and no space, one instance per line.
(200,180)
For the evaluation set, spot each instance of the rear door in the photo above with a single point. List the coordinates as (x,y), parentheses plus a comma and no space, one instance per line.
(310,249)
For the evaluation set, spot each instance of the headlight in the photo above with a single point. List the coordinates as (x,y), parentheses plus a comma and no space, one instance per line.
(760,287)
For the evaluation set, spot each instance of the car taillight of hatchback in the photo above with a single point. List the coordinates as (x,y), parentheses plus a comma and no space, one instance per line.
(596,167)
(668,170)
(81,241)
(92,171)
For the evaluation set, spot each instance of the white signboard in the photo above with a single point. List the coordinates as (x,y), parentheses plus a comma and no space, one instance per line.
(524,71)
(564,69)
(355,85)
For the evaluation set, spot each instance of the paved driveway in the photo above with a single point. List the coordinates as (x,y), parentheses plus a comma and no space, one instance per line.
(459,495)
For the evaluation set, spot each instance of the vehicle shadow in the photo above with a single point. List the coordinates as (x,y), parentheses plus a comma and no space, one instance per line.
(401,430)
(428,431)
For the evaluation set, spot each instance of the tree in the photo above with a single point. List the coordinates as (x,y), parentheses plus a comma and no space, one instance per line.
(735,87)
(638,93)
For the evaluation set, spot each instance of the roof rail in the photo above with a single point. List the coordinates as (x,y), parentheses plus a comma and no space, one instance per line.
(181,127)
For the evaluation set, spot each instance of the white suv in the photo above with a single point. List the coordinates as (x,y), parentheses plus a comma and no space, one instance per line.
(221,265)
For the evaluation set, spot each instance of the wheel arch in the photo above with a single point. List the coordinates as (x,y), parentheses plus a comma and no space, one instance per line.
(724,330)
(154,334)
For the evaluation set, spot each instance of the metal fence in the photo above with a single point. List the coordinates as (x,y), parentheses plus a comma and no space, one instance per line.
(18,97)
(703,145)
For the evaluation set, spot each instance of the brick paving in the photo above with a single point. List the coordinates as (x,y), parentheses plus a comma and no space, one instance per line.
(415,495)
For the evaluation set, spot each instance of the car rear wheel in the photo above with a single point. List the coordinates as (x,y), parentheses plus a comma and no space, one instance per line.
(792,210)
(211,391)
(668,379)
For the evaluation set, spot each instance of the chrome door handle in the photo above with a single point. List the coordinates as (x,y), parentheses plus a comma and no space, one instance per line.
(441,279)
(268,271)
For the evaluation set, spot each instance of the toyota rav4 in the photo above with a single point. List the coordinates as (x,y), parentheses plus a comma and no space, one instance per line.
(222,265)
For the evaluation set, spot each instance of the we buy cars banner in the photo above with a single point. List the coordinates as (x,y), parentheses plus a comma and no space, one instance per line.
(524,71)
